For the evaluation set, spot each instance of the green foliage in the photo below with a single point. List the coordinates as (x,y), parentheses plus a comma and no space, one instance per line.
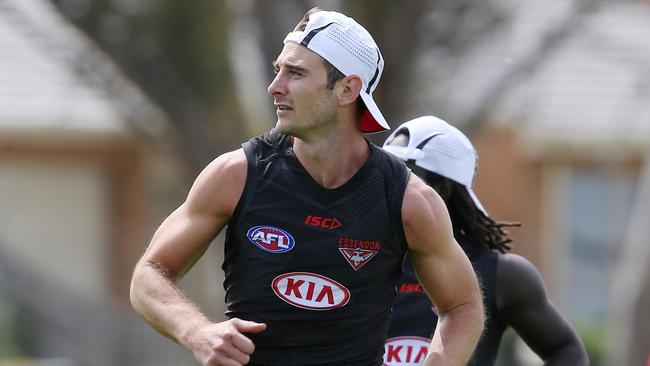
(10,346)
(593,338)
(506,355)
(193,35)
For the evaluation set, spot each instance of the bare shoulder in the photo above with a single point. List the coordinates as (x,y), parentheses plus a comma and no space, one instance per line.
(441,265)
(424,214)
(420,200)
(513,266)
(232,163)
(186,233)
(221,182)
(518,281)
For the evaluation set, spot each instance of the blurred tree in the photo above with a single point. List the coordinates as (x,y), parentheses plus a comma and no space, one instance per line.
(176,52)
(550,42)
(207,63)
(403,31)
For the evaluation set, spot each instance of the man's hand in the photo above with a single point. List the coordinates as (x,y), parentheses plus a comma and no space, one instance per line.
(223,344)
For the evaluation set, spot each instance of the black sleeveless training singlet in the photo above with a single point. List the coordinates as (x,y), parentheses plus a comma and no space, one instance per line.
(318,266)
(414,317)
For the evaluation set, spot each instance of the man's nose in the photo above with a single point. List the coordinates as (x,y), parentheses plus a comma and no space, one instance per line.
(277,86)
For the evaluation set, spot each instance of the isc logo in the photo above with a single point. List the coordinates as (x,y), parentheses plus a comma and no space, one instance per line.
(330,223)
(405,351)
(411,287)
(310,291)
(271,239)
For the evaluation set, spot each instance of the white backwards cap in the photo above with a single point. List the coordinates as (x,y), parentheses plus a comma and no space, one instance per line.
(438,147)
(349,47)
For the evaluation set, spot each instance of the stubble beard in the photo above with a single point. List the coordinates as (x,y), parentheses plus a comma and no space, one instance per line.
(318,117)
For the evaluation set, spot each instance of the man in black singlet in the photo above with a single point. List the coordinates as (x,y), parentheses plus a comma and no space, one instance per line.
(319,220)
(513,292)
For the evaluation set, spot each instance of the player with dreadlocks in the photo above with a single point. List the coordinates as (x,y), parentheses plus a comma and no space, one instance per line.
(470,221)
(513,291)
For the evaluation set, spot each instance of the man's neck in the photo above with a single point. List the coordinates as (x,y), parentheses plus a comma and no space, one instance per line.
(332,161)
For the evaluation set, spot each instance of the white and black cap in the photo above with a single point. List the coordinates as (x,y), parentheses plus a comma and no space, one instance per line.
(349,47)
(438,147)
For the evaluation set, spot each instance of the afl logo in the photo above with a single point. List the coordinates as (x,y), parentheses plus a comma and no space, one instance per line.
(405,351)
(271,239)
(310,291)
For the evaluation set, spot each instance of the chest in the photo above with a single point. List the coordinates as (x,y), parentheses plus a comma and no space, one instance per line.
(286,221)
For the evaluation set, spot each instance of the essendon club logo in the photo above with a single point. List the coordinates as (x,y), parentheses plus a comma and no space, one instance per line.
(358,252)
(405,351)
(271,239)
(357,258)
(310,291)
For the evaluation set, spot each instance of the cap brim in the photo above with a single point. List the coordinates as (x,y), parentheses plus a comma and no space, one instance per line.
(403,152)
(476,201)
(372,120)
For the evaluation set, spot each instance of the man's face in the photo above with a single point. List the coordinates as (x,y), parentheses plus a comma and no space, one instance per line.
(299,90)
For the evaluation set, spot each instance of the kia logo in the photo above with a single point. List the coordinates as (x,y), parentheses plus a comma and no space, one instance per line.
(405,351)
(310,291)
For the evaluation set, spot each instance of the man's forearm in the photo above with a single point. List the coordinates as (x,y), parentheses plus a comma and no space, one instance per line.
(572,354)
(157,299)
(456,335)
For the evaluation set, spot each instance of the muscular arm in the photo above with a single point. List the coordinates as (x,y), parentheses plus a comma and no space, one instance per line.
(445,273)
(523,303)
(176,246)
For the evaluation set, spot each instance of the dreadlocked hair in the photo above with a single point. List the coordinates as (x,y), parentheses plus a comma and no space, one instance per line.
(469,221)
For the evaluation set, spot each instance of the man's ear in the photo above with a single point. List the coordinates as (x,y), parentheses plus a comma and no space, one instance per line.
(350,88)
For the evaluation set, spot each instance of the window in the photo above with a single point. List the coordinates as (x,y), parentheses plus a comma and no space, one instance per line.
(600,202)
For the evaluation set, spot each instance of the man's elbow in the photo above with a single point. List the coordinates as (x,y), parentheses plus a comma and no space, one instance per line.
(479,313)
(472,315)
(144,274)
(135,287)
(573,353)
(478,310)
